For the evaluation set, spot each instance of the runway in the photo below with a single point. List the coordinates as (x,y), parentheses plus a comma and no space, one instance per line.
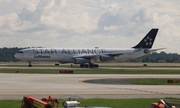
(15,86)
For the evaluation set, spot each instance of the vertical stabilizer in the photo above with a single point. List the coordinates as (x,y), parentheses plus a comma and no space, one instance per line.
(148,40)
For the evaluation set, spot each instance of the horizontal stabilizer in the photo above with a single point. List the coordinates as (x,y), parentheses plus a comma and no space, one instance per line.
(154,50)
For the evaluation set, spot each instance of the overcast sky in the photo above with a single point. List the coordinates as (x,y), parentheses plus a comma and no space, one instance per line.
(89,23)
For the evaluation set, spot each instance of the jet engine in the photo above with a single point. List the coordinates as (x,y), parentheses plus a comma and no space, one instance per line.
(146,51)
(81,61)
(106,58)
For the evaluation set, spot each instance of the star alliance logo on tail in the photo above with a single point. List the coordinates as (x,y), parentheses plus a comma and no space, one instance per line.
(148,41)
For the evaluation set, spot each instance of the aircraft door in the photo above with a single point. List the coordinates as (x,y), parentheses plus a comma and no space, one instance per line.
(29,53)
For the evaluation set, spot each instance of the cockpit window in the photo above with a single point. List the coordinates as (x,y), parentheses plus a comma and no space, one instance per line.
(20,52)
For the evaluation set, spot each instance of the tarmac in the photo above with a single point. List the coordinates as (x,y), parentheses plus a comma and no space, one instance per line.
(16,85)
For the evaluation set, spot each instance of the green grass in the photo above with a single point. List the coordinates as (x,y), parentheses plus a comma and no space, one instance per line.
(153,81)
(29,71)
(10,103)
(113,103)
(127,72)
(119,103)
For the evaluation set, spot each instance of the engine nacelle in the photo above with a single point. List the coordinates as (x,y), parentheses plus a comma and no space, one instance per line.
(106,58)
(81,61)
(146,51)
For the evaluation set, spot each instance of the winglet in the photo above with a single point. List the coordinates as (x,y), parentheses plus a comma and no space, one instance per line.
(148,40)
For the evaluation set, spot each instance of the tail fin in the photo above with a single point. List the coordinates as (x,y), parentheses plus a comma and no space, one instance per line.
(148,40)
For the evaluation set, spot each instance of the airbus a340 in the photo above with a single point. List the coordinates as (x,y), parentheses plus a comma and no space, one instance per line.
(87,57)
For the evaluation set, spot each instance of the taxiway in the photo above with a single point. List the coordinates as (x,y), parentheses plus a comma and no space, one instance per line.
(15,86)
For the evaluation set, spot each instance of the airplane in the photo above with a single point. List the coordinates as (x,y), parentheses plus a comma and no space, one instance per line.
(87,57)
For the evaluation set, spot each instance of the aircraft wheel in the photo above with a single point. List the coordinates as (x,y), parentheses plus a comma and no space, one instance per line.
(86,65)
(96,65)
(30,65)
(91,65)
(82,65)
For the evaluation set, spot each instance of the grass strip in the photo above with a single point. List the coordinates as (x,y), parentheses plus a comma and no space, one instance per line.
(113,103)
(155,81)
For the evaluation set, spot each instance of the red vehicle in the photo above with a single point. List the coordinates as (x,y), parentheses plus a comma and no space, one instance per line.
(33,102)
(162,104)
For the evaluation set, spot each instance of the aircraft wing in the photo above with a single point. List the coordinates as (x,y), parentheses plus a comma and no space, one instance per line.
(112,53)
(97,55)
(117,53)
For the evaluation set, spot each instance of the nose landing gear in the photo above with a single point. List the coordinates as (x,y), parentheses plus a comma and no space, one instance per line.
(30,64)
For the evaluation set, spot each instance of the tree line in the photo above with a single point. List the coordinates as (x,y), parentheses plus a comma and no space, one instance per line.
(7,55)
(159,57)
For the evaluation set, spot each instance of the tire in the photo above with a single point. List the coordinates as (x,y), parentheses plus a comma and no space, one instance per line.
(96,65)
(82,65)
(86,65)
(92,66)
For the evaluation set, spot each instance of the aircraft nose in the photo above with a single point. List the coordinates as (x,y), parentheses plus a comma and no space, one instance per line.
(16,56)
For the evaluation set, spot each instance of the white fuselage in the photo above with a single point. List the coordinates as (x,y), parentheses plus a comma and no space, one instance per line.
(68,55)
(83,56)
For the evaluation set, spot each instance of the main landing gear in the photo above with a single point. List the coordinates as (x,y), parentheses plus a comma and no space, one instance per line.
(30,64)
(91,65)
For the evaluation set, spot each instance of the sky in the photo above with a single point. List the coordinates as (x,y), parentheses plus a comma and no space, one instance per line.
(89,23)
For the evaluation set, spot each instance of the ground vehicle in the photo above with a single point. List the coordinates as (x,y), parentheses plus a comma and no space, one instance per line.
(33,102)
(163,104)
